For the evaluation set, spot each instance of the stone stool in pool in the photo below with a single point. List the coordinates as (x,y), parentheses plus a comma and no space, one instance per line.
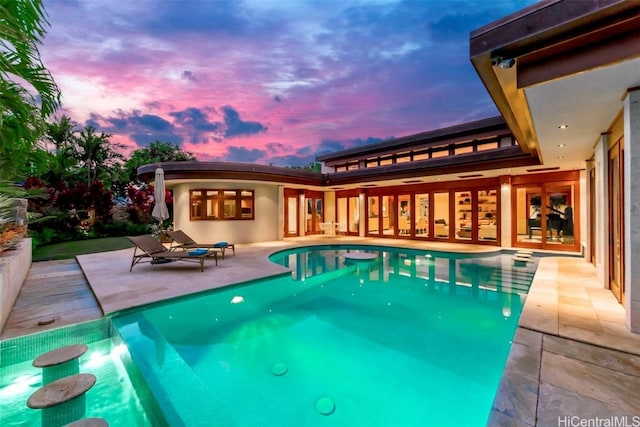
(60,363)
(521,260)
(62,401)
(89,422)
(360,259)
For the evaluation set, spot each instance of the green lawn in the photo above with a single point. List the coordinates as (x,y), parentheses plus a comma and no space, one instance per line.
(71,249)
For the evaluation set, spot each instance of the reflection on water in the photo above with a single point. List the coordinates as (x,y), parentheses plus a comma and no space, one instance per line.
(443,271)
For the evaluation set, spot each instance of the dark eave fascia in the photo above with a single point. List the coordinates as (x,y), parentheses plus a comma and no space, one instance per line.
(549,40)
(544,24)
(501,158)
(236,171)
(469,130)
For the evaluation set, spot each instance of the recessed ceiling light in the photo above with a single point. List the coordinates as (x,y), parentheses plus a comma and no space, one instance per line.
(560,157)
(562,145)
(563,126)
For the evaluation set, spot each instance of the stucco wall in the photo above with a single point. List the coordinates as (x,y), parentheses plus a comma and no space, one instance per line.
(263,228)
(14,267)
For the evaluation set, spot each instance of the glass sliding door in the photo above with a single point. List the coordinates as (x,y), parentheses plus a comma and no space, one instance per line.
(441,223)
(347,213)
(353,225)
(421,217)
(374,219)
(528,219)
(464,215)
(560,207)
(546,215)
(314,213)
(405,213)
(487,214)
(616,227)
(291,209)
(342,214)
(388,215)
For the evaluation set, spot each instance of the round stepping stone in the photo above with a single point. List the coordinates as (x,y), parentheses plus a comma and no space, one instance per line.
(361,256)
(89,422)
(279,369)
(60,363)
(325,406)
(60,391)
(60,356)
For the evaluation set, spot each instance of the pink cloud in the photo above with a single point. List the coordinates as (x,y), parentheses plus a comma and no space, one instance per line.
(294,75)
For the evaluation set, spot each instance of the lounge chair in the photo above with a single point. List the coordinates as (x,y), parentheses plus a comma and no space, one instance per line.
(154,252)
(183,241)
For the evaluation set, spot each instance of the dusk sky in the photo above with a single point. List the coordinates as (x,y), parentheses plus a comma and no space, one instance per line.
(267,81)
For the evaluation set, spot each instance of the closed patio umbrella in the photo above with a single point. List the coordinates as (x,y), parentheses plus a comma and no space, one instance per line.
(160,211)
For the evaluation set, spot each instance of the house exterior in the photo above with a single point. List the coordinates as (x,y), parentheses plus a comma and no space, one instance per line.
(558,170)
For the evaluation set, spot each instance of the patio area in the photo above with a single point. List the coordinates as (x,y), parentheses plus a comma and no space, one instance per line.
(572,354)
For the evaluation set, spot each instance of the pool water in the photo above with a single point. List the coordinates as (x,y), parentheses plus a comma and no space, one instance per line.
(411,339)
(119,395)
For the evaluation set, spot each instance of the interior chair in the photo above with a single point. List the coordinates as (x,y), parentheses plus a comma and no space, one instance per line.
(403,225)
(423,225)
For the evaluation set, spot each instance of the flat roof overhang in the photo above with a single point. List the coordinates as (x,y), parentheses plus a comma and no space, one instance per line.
(480,129)
(500,158)
(230,171)
(560,42)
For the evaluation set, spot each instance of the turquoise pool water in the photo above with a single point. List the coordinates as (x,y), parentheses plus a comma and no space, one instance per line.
(410,339)
(119,395)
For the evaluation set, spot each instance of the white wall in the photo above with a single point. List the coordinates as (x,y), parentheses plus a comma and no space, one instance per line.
(263,228)
(505,215)
(601,214)
(14,267)
(329,206)
(632,208)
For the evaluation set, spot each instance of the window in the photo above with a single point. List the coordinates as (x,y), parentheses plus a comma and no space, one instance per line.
(221,204)
(386,161)
(463,150)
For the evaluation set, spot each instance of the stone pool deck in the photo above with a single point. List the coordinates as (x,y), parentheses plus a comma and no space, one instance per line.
(572,354)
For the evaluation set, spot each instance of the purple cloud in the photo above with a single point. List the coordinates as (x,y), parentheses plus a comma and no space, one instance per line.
(236,126)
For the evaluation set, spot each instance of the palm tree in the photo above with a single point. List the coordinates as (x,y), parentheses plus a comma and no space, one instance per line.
(61,133)
(22,27)
(96,152)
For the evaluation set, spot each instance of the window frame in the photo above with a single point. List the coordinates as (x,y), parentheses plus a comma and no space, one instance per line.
(219,196)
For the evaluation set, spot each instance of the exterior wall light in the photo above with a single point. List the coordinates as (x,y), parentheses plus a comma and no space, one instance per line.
(501,62)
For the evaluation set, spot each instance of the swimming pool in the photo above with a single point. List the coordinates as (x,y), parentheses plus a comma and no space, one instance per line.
(410,338)
(120,394)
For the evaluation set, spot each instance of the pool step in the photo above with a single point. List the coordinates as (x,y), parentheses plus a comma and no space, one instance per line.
(62,396)
(62,401)
(515,279)
(169,371)
(60,362)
